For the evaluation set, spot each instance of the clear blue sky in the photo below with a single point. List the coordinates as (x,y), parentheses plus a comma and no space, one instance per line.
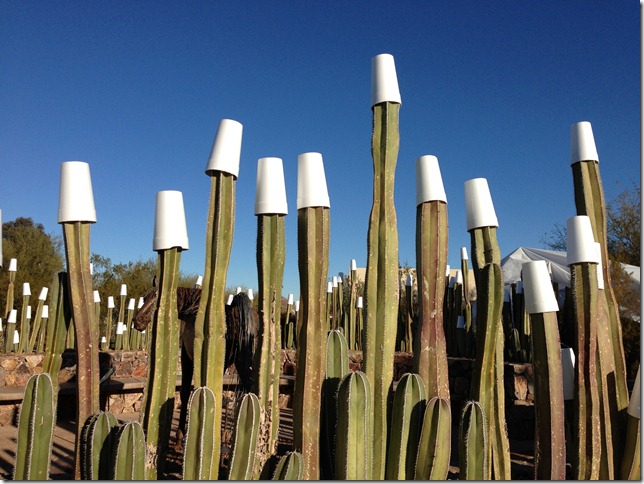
(137,89)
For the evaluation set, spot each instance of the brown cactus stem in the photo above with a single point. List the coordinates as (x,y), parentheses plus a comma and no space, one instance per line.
(313,263)
(77,250)
(550,441)
(430,353)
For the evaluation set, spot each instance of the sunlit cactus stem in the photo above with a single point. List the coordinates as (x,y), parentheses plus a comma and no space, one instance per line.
(109,321)
(352,333)
(44,325)
(121,316)
(9,330)
(434,446)
(630,467)
(130,455)
(245,439)
(473,445)
(289,467)
(58,325)
(13,267)
(98,446)
(25,318)
(201,439)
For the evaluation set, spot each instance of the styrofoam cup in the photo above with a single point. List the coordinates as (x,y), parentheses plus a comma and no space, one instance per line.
(230,299)
(130,305)
(16,337)
(97,297)
(226,149)
(13,265)
(28,315)
(13,316)
(290,300)
(26,289)
(539,295)
(76,198)
(429,182)
(359,302)
(384,82)
(329,287)
(45,311)
(568,370)
(270,191)
(354,265)
(170,222)
(43,293)
(582,143)
(120,327)
(199,281)
(296,305)
(459,277)
(479,209)
(464,253)
(634,404)
(123,290)
(110,302)
(580,241)
(311,181)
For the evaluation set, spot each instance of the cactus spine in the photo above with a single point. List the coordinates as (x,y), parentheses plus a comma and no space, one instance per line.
(242,462)
(434,447)
(473,446)
(200,437)
(36,329)
(24,320)
(130,457)
(35,430)
(13,265)
(313,264)
(163,347)
(58,325)
(289,467)
(97,446)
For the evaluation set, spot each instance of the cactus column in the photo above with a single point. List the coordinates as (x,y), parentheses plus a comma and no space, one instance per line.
(381,280)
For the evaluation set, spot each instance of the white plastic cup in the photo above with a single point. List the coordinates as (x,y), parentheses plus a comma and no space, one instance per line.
(539,295)
(110,302)
(311,181)
(329,287)
(239,289)
(43,293)
(250,294)
(45,311)
(290,300)
(199,281)
(582,143)
(568,369)
(296,305)
(464,253)
(479,209)
(16,337)
(429,182)
(120,327)
(76,198)
(226,149)
(359,302)
(270,191)
(384,81)
(140,303)
(170,222)
(634,403)
(28,315)
(447,270)
(13,265)
(130,306)
(230,300)
(103,339)
(335,281)
(459,277)
(580,241)
(123,290)
(354,265)
(26,289)
(97,297)
(340,278)
(600,272)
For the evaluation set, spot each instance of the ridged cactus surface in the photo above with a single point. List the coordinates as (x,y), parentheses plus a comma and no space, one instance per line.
(434,447)
(130,456)
(247,426)
(201,439)
(473,446)
(98,444)
(289,467)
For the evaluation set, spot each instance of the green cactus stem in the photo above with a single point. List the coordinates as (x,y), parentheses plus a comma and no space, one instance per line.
(352,333)
(630,467)
(313,263)
(381,280)
(98,446)
(36,329)
(121,317)
(24,324)
(10,301)
(163,347)
(550,441)
(354,448)
(245,440)
(109,322)
(407,414)
(77,250)
(289,467)
(434,446)
(59,323)
(473,446)
(35,430)
(42,334)
(130,457)
(200,437)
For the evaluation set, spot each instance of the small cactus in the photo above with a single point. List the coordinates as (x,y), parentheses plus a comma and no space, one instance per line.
(130,457)
(242,462)
(434,447)
(97,446)
(289,467)
(473,446)
(200,437)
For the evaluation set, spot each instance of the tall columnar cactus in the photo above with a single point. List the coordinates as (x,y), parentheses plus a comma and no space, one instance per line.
(630,467)
(98,446)
(170,238)
(13,267)
(210,323)
(352,333)
(289,467)
(245,440)
(201,439)
(589,200)
(76,213)
(25,318)
(130,456)
(109,321)
(434,446)
(121,317)
(470,343)
(541,307)
(36,329)
(354,444)
(9,330)
(407,413)
(58,326)
(44,325)
(313,220)
(473,447)
(35,429)
(487,378)
(381,280)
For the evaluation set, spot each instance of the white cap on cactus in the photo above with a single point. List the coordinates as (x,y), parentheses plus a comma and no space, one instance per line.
(384,82)
(582,143)
(600,272)
(226,149)
(28,315)
(13,265)
(76,199)
(140,303)
(464,253)
(250,294)
(335,281)
(123,290)
(460,322)
(199,281)
(45,311)
(230,299)
(354,265)
(13,315)
(143,332)
(110,302)
(130,305)
(91,269)
(290,299)
(296,305)
(479,209)
(103,339)
(329,287)
(311,181)
(359,302)
(580,241)
(447,270)
(410,280)
(97,296)
(270,191)
(429,183)
(539,294)
(16,337)
(459,277)
(120,327)
(634,404)
(26,289)
(239,289)
(43,293)
(568,367)
(170,221)
(340,277)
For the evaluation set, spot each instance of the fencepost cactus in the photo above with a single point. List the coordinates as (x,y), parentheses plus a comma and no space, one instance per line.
(487,377)
(11,326)
(97,447)
(245,440)
(381,280)
(76,213)
(550,439)
(59,323)
(434,446)
(36,327)
(97,309)
(289,467)
(210,323)
(360,336)
(473,446)
(170,238)
(354,440)
(313,234)
(12,269)
(35,429)
(44,324)
(470,343)
(109,321)
(121,316)
(198,463)
(630,467)
(130,455)
(25,318)
(353,336)
(407,413)
(130,331)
